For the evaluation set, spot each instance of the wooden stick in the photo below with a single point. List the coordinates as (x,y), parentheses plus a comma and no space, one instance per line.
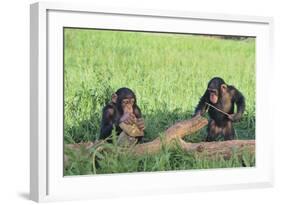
(228,115)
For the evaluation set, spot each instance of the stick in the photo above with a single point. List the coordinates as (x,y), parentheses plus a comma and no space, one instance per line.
(228,115)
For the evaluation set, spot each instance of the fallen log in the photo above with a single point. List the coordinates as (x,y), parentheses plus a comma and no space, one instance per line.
(172,137)
(177,131)
(224,149)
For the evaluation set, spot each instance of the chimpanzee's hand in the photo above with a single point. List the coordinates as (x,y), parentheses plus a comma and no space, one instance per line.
(128,118)
(235,117)
(232,117)
(140,124)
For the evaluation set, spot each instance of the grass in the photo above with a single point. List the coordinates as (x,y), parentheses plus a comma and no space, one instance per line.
(168,72)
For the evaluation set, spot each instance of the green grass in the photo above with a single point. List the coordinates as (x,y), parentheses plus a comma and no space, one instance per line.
(168,73)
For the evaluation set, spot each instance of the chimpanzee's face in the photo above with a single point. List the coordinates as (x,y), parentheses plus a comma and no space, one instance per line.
(127,104)
(216,88)
(214,95)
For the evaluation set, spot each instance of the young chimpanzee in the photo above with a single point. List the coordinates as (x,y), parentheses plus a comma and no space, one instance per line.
(219,99)
(122,109)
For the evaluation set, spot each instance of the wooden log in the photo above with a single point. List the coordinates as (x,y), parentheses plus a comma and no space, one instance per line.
(219,148)
(131,130)
(172,137)
(177,131)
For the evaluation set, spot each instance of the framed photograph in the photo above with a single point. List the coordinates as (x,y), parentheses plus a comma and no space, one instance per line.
(130,102)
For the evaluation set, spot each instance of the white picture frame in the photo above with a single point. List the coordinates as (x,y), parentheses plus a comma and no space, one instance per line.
(47,182)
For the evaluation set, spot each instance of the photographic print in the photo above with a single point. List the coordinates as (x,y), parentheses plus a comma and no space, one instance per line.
(137,101)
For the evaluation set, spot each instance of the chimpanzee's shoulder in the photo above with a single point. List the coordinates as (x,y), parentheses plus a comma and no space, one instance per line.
(231,87)
(232,90)
(109,106)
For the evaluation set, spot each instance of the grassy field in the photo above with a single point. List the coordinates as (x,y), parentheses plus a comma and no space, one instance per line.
(168,73)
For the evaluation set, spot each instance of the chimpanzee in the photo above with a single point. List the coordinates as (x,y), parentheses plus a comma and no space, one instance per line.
(219,100)
(122,108)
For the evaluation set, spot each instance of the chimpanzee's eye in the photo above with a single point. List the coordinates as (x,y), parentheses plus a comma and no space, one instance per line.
(213,91)
(125,101)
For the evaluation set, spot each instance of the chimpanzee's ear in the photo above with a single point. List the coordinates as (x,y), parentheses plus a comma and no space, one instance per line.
(114,98)
(223,88)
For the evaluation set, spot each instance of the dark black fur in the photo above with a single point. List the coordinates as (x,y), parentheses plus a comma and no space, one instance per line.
(219,123)
(112,113)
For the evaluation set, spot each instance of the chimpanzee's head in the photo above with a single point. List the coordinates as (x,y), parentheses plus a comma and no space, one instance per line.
(216,87)
(125,100)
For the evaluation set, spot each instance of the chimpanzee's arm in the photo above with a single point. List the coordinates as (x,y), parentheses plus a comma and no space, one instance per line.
(239,100)
(107,122)
(140,124)
(201,107)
